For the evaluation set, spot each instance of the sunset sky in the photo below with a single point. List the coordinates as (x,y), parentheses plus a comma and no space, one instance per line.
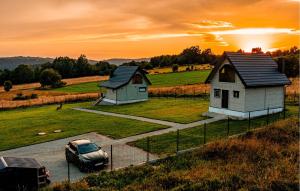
(104,29)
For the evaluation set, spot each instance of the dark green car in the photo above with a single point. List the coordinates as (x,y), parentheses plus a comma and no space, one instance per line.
(86,155)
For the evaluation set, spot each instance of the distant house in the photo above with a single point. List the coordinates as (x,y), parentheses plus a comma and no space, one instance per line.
(127,84)
(243,83)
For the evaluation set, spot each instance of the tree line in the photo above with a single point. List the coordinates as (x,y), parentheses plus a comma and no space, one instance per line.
(64,66)
(189,56)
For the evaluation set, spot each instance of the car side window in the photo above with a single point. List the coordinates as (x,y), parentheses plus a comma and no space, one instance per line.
(73,147)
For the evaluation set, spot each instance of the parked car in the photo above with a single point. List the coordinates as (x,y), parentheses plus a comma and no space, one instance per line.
(22,174)
(86,155)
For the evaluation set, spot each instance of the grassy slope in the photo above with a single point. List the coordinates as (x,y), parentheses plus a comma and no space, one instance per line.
(166,144)
(177,110)
(261,160)
(19,127)
(158,80)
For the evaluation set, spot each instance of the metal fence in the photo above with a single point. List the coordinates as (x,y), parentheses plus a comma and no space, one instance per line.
(122,155)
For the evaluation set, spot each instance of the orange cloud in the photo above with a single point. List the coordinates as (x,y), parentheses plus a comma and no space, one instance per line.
(138,28)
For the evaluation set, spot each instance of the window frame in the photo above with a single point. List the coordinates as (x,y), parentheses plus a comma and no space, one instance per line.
(135,79)
(143,88)
(236,94)
(228,75)
(215,93)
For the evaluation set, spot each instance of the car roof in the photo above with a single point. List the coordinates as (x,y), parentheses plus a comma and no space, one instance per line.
(80,141)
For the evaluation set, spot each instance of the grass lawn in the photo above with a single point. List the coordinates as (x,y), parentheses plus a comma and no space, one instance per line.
(179,78)
(170,109)
(166,144)
(86,87)
(20,127)
(158,80)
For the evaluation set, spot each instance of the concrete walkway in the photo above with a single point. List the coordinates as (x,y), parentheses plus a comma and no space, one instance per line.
(161,122)
(173,126)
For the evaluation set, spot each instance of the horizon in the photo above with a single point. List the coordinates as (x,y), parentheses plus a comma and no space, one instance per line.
(115,30)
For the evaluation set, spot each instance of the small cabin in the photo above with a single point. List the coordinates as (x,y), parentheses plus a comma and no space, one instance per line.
(244,83)
(127,84)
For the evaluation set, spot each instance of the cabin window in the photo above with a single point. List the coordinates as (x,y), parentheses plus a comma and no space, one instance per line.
(227,74)
(217,93)
(137,79)
(142,89)
(236,94)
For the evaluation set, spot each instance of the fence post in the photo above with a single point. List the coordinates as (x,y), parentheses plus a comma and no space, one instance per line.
(228,126)
(148,148)
(177,141)
(111,157)
(204,134)
(69,181)
(249,121)
(268,116)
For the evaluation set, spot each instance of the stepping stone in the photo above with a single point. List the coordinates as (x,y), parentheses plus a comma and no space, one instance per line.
(57,131)
(42,133)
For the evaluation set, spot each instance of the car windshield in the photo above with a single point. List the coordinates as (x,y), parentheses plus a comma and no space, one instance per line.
(87,148)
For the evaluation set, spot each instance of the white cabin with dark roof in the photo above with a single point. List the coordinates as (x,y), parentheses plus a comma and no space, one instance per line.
(244,83)
(127,84)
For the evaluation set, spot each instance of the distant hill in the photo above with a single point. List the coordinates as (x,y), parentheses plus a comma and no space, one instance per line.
(119,61)
(11,63)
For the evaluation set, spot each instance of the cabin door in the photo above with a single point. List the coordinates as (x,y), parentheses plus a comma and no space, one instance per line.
(224,98)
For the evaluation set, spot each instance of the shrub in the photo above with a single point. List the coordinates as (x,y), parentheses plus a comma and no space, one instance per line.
(175,68)
(52,78)
(7,85)
(20,96)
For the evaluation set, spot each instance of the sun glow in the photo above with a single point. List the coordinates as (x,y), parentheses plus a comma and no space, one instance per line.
(250,43)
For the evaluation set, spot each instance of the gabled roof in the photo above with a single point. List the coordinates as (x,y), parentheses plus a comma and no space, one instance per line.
(254,70)
(13,162)
(122,76)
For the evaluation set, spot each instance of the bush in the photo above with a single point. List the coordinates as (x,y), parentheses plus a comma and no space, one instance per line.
(52,78)
(7,85)
(175,68)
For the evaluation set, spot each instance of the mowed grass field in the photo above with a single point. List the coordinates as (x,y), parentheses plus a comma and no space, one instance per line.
(179,78)
(19,127)
(86,87)
(193,137)
(157,80)
(180,110)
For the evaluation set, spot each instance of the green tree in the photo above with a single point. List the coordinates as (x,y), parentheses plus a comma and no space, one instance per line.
(190,55)
(82,66)
(50,77)
(23,74)
(7,85)
(65,66)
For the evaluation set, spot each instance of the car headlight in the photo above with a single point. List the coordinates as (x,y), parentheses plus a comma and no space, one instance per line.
(84,159)
(105,154)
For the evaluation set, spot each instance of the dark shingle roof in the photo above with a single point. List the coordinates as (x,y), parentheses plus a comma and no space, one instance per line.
(255,70)
(122,76)
(14,162)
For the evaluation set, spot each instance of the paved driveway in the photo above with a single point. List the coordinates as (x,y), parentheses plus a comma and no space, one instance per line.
(51,155)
